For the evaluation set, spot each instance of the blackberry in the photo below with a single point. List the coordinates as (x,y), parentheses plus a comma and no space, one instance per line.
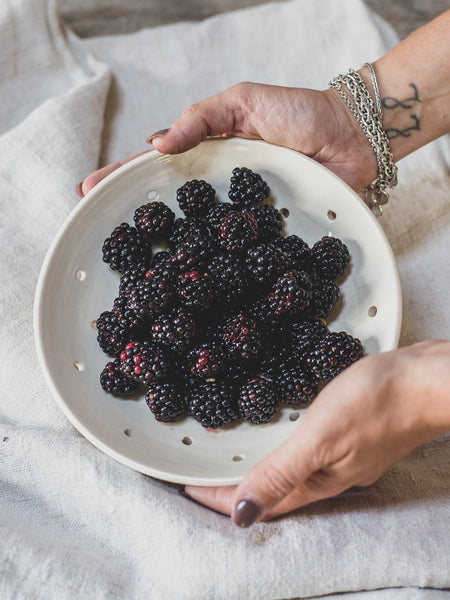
(131,277)
(183,228)
(334,353)
(174,329)
(207,359)
(237,231)
(297,251)
(111,335)
(241,337)
(295,385)
(304,335)
(192,254)
(265,317)
(265,263)
(217,212)
(125,247)
(165,401)
(273,354)
(325,294)
(257,400)
(126,317)
(269,220)
(144,362)
(150,297)
(194,290)
(235,373)
(247,187)
(196,197)
(330,257)
(155,220)
(228,277)
(161,267)
(213,404)
(113,381)
(291,293)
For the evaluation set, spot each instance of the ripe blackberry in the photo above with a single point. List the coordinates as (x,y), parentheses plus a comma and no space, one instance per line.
(257,400)
(247,187)
(241,337)
(304,335)
(206,360)
(150,297)
(125,247)
(274,352)
(265,263)
(126,317)
(296,249)
(113,381)
(213,404)
(236,372)
(295,385)
(334,353)
(291,293)
(237,231)
(196,197)
(228,277)
(155,220)
(161,267)
(329,257)
(174,329)
(183,228)
(165,401)
(269,220)
(132,277)
(111,335)
(265,317)
(325,294)
(192,254)
(144,362)
(217,212)
(194,290)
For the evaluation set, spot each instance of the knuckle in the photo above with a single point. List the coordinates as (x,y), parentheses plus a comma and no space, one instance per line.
(192,110)
(275,481)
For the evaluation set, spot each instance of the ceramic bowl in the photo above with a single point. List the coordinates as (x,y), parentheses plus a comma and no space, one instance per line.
(75,286)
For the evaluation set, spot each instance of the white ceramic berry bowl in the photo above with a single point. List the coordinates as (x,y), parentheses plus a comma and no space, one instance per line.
(75,286)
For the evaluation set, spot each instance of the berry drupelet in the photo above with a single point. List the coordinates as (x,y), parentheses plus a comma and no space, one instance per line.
(334,353)
(329,257)
(113,381)
(126,247)
(257,400)
(155,220)
(165,401)
(247,187)
(144,362)
(196,197)
(213,404)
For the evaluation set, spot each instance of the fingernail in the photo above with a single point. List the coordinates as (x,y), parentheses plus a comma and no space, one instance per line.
(247,511)
(79,191)
(156,134)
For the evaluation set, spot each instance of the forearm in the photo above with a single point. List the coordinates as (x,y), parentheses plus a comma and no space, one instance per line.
(414,84)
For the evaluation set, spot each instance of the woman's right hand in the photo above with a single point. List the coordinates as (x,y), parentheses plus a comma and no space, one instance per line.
(315,123)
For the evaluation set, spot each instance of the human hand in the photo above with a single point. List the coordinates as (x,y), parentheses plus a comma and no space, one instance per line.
(315,123)
(364,421)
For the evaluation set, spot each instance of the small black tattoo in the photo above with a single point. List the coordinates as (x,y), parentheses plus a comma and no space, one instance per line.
(390,102)
(393,133)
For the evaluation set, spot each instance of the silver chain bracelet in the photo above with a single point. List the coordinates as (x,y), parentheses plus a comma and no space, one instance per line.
(370,119)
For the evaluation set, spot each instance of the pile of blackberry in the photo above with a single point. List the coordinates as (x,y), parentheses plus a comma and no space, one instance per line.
(218,314)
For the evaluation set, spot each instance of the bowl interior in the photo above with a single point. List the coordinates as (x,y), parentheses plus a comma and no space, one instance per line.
(75,286)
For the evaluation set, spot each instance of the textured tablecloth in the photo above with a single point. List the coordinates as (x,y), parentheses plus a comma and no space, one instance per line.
(75,523)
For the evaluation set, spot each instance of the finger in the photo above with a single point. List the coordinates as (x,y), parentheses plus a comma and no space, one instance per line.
(275,478)
(218,498)
(94,178)
(221,115)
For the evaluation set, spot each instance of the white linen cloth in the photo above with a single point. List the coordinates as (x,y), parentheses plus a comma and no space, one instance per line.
(76,524)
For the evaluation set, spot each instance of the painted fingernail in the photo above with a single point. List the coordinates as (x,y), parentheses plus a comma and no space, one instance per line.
(156,134)
(247,511)
(79,191)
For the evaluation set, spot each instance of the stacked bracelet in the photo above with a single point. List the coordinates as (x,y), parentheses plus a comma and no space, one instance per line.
(370,119)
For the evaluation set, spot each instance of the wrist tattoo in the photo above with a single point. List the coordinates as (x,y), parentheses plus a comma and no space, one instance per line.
(390,103)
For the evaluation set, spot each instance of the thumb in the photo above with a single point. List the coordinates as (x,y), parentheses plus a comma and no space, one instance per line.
(274,479)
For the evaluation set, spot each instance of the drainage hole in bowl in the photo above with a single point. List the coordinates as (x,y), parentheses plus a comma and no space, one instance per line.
(284,212)
(294,415)
(331,215)
(81,275)
(238,457)
(79,366)
(372,311)
(152,195)
(187,440)
(94,325)
(127,432)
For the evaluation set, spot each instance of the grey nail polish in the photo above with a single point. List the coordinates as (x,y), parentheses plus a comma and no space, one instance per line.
(156,134)
(247,511)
